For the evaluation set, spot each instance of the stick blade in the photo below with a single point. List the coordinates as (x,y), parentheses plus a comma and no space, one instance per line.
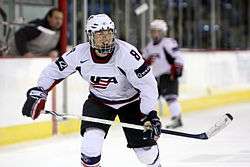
(219,125)
(229,116)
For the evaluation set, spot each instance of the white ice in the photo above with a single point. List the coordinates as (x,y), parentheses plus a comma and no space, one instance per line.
(229,148)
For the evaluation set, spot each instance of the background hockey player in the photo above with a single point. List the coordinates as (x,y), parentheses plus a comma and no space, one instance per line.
(120,84)
(167,63)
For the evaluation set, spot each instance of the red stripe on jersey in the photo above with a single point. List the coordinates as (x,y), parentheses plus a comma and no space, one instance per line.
(99,86)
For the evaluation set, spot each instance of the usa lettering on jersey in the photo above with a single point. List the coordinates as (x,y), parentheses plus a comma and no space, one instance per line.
(102,82)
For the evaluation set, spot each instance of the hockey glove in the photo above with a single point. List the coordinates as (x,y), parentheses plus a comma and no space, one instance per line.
(150,60)
(152,126)
(35,102)
(176,70)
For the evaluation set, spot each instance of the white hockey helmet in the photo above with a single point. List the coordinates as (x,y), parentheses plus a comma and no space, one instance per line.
(98,23)
(160,25)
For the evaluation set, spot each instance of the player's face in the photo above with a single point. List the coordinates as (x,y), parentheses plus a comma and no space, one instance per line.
(156,35)
(103,38)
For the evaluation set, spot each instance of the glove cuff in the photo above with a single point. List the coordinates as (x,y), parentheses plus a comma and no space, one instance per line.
(37,92)
(153,114)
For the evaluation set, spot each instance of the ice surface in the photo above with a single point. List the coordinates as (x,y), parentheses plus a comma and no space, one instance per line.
(229,148)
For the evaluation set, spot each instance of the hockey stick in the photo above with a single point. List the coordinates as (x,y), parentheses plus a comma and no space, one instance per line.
(216,128)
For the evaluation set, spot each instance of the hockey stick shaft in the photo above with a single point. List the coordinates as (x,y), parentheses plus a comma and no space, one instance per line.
(219,125)
(92,119)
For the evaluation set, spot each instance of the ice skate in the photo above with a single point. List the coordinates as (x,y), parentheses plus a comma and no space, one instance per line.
(175,123)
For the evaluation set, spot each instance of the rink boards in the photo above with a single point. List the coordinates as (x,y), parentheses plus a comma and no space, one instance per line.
(207,82)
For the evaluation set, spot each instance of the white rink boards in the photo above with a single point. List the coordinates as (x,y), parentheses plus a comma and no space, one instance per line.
(229,148)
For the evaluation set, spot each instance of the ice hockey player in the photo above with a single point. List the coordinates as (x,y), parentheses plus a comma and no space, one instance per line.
(166,60)
(120,83)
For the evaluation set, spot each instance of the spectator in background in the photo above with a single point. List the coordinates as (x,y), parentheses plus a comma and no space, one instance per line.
(167,63)
(3,17)
(3,29)
(38,38)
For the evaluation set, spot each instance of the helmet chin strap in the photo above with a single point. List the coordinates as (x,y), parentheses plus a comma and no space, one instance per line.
(106,49)
(104,52)
(98,53)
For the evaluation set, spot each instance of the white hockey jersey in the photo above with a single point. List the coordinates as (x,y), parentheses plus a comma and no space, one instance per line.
(124,78)
(165,53)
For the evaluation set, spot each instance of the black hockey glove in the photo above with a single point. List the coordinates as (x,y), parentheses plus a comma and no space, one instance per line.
(152,126)
(35,102)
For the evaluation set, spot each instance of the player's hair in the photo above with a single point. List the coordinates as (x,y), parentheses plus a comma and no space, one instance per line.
(51,12)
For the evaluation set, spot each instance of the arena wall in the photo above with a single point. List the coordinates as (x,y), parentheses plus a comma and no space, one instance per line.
(210,79)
